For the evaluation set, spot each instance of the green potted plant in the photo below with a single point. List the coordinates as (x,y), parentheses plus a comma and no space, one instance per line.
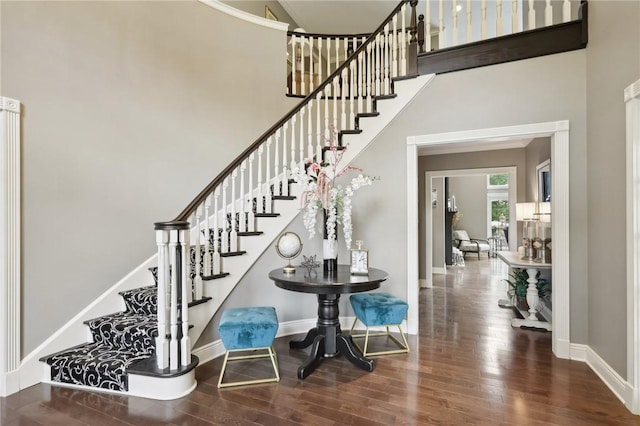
(518,288)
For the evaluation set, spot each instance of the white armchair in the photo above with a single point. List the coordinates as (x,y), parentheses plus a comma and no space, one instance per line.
(470,245)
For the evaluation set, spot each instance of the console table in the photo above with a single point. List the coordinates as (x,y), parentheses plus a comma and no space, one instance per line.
(514,260)
(326,339)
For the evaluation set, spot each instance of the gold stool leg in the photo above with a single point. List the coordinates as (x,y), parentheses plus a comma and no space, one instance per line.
(270,354)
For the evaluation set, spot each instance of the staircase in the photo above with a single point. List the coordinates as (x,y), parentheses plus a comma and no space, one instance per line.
(145,349)
(166,303)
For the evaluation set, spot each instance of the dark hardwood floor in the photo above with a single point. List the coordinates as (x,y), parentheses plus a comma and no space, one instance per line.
(467,367)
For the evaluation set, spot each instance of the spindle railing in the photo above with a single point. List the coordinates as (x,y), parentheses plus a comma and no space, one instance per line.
(228,207)
(441,24)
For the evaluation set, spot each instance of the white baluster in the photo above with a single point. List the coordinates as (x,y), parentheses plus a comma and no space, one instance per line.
(328,56)
(369,71)
(360,80)
(294,58)
(352,115)
(394,48)
(233,235)
(310,150)
(320,77)
(301,138)
(386,41)
(343,115)
(251,217)
(336,83)
(268,200)
(441,41)
(336,92)
(344,87)
(294,163)
(197,280)
(532,16)
(454,25)
(403,41)
(469,24)
(498,18)
(566,11)
(326,116)
(311,85)
(276,166)
(303,87)
(162,344)
(225,217)
(207,237)
(318,128)
(377,72)
(242,217)
(215,257)
(285,174)
(259,199)
(174,237)
(548,14)
(427,30)
(483,28)
(515,27)
(185,341)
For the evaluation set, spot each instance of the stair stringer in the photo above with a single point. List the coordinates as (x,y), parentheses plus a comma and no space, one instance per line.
(75,332)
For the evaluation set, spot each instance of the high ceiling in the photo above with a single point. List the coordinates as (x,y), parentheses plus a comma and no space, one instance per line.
(339,17)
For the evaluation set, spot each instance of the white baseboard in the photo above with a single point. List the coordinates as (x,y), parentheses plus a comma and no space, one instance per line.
(441,271)
(618,385)
(9,383)
(425,283)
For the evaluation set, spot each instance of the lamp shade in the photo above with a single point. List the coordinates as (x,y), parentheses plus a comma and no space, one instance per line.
(525,211)
(544,211)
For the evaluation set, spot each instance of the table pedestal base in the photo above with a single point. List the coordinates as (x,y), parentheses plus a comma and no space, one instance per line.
(327,340)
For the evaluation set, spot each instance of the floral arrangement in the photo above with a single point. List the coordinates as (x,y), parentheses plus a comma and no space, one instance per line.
(321,191)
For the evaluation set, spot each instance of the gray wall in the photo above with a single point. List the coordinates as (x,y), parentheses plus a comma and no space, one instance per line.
(437,219)
(471,199)
(613,63)
(130,109)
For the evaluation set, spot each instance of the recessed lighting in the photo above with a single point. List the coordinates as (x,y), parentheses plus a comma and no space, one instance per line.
(458,8)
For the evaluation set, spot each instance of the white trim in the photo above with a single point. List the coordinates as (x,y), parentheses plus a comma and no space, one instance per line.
(10,245)
(608,375)
(439,271)
(632,99)
(245,16)
(425,283)
(413,274)
(559,133)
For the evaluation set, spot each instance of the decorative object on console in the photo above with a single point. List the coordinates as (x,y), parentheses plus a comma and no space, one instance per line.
(359,260)
(543,234)
(322,192)
(310,264)
(525,212)
(288,246)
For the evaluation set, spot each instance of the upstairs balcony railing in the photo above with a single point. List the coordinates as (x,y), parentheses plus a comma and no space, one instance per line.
(441,24)
(191,246)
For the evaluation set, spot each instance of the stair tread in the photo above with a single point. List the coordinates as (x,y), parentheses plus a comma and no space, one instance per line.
(266,214)
(141,300)
(125,330)
(249,233)
(284,197)
(233,253)
(95,365)
(199,302)
(215,277)
(149,367)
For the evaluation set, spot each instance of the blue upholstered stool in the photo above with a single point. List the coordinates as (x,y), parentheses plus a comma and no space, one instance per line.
(249,329)
(379,309)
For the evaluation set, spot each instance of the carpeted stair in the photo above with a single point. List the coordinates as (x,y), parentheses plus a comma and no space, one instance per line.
(120,341)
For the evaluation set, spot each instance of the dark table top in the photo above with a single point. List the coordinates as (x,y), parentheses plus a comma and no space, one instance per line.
(339,282)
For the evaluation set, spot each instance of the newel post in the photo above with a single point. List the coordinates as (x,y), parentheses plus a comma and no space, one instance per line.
(172,343)
(412,68)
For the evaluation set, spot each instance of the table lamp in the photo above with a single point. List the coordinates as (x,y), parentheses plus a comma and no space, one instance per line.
(525,212)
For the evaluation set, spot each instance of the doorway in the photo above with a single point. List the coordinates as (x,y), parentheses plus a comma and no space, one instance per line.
(559,134)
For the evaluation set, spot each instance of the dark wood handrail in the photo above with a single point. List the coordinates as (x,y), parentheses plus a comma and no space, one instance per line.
(319,35)
(201,197)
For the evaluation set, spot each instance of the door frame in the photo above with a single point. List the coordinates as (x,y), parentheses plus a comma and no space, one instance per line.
(558,131)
